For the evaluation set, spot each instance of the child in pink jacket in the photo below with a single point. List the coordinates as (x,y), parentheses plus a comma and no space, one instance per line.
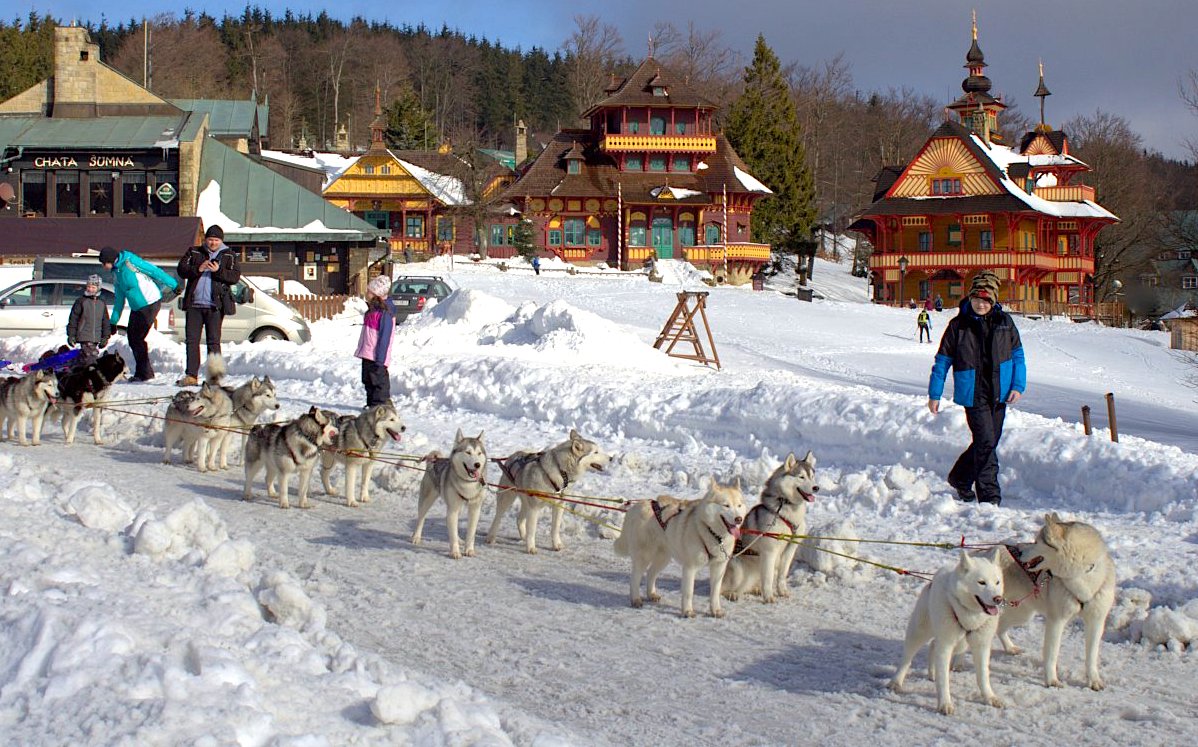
(374,345)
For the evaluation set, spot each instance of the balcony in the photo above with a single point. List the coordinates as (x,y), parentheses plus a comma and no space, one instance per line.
(658,143)
(1073,193)
(977,260)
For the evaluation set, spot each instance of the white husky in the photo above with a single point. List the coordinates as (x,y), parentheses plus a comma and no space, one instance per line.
(762,562)
(1076,577)
(460,479)
(534,477)
(960,606)
(695,533)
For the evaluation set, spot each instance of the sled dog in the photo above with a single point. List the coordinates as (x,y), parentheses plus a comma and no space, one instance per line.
(960,605)
(460,479)
(1077,577)
(695,533)
(762,563)
(285,448)
(358,441)
(83,386)
(250,400)
(26,399)
(534,477)
(199,420)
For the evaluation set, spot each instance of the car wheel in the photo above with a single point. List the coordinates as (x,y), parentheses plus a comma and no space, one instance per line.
(269,333)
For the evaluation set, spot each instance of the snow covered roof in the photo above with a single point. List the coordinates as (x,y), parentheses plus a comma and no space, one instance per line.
(447,189)
(677,193)
(750,182)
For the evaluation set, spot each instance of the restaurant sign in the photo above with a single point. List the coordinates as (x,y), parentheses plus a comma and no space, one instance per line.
(93,161)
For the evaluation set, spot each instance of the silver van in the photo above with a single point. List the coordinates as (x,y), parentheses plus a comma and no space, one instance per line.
(260,316)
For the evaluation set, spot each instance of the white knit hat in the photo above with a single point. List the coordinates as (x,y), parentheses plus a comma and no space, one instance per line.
(379,286)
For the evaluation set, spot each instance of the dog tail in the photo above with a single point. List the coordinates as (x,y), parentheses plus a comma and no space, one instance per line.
(214,368)
(432,456)
(622,546)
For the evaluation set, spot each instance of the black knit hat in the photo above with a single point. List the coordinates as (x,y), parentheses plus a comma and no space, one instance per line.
(108,255)
(215,231)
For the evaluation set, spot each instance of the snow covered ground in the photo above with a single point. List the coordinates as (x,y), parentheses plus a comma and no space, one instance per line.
(148,604)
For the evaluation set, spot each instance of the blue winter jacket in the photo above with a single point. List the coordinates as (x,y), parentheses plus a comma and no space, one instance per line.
(960,348)
(136,281)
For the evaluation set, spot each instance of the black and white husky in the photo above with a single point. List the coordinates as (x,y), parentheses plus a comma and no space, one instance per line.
(460,479)
(82,388)
(359,440)
(25,399)
(283,449)
(535,476)
(762,563)
(200,420)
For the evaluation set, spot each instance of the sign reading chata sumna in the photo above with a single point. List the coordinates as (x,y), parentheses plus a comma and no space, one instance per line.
(90,161)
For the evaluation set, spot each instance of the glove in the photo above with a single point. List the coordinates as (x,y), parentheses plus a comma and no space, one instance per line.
(70,342)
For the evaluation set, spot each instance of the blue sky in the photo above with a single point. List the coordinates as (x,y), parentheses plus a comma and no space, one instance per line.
(1120,56)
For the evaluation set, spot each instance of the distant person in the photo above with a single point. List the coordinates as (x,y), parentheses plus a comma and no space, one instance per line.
(374,344)
(924,320)
(536,264)
(407,255)
(89,326)
(927,304)
(911,304)
(210,271)
(939,304)
(140,284)
(982,346)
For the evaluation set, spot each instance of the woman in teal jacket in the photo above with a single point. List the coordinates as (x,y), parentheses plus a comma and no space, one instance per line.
(137,282)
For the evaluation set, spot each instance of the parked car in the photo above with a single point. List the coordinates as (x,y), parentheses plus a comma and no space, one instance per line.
(260,316)
(410,293)
(39,307)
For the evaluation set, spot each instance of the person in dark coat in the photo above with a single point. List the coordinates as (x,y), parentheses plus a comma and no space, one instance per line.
(982,346)
(210,270)
(89,326)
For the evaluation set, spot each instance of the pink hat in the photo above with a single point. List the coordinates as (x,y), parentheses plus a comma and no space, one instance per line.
(379,286)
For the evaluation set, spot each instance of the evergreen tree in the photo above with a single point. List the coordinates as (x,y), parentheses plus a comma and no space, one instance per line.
(763,127)
(409,126)
(522,239)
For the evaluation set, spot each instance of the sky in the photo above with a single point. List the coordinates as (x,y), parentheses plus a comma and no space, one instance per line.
(144,603)
(1109,55)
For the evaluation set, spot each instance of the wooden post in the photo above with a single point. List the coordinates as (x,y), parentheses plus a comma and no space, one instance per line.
(1086,419)
(1110,409)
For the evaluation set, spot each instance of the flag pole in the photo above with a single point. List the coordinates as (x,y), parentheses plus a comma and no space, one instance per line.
(619,226)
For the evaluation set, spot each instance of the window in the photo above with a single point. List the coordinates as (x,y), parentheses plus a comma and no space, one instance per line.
(925,241)
(66,193)
(498,234)
(657,163)
(99,193)
(1189,282)
(987,239)
(134,195)
(414,227)
(575,229)
(1183,253)
(385,170)
(686,233)
(659,90)
(711,234)
(594,237)
(954,235)
(368,169)
(634,127)
(946,187)
(444,229)
(680,128)
(637,235)
(657,125)
(33,192)
(633,163)
(573,166)
(682,163)
(555,237)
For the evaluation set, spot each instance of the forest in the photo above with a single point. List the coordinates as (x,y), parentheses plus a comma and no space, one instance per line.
(319,74)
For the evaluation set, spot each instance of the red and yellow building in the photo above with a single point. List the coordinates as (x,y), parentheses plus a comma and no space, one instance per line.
(968,202)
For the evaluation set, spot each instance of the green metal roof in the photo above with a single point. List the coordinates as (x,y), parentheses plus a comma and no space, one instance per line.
(257,198)
(225,117)
(504,157)
(95,132)
(10,128)
(263,120)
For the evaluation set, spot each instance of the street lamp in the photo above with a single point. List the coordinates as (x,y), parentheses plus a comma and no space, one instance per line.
(902,263)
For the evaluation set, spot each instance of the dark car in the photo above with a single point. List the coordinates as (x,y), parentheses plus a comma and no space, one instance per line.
(411,293)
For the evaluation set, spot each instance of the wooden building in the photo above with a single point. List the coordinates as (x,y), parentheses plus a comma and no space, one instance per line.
(968,202)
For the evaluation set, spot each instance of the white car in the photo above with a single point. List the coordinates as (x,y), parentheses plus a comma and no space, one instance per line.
(39,307)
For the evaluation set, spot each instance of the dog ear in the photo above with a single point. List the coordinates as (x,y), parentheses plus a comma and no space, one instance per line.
(574,435)
(457,439)
(791,461)
(996,556)
(480,436)
(965,562)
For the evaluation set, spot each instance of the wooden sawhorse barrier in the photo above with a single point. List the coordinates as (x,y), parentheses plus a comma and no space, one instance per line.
(681,328)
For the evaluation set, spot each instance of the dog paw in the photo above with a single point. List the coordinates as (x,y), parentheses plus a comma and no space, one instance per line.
(351,504)
(783,592)
(417,539)
(456,554)
(717,613)
(558,547)
(1054,682)
(947,709)
(769,600)
(469,553)
(1013,650)
(995,701)
(895,686)
(654,596)
(1096,684)
(531,550)
(732,596)
(636,603)
(688,613)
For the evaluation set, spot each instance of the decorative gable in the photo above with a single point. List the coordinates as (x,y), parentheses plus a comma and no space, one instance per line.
(944,159)
(1040,146)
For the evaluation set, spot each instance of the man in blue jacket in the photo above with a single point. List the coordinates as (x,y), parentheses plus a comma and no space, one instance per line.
(138,283)
(982,346)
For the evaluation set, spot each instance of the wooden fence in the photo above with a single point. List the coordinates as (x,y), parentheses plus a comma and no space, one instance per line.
(314,308)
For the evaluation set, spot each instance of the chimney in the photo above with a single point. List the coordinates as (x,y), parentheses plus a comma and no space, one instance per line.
(76,65)
(521,142)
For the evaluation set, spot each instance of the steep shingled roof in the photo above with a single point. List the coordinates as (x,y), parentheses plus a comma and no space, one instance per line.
(637,90)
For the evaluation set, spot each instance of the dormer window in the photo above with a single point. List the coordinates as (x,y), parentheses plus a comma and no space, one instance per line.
(573,167)
(659,91)
(942,187)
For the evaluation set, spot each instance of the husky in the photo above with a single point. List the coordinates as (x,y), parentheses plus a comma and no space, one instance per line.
(1070,563)
(250,400)
(359,439)
(960,606)
(284,448)
(534,477)
(460,479)
(24,399)
(200,420)
(762,562)
(695,533)
(84,387)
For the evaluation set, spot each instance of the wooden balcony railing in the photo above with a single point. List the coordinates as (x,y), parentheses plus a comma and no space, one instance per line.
(1071,193)
(668,143)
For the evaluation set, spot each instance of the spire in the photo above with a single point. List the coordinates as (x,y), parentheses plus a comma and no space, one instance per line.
(378,125)
(650,46)
(1041,92)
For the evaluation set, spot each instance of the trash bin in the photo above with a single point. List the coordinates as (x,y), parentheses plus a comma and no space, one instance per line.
(803,294)
(758,283)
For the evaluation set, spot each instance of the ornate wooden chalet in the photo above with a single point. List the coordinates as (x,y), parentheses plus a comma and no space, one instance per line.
(651,176)
(967,202)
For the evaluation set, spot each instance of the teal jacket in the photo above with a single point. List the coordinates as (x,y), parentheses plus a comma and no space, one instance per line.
(137,281)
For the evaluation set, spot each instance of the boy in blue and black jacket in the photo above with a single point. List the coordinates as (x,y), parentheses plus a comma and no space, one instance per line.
(982,346)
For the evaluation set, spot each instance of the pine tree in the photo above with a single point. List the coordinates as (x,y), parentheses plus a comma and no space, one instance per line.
(409,126)
(522,239)
(763,127)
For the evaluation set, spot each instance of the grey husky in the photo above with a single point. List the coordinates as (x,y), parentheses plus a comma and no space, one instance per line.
(359,439)
(762,562)
(285,448)
(535,476)
(24,399)
(460,479)
(200,420)
(250,400)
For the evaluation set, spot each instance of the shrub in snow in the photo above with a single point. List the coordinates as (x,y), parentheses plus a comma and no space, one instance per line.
(98,507)
(402,703)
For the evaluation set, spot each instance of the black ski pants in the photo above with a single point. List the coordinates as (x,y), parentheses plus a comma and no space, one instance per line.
(977,467)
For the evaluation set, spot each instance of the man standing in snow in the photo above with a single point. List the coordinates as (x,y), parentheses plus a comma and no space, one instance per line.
(210,271)
(982,346)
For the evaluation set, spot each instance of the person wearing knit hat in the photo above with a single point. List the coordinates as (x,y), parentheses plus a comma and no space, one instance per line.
(88,325)
(140,284)
(981,346)
(374,343)
(210,271)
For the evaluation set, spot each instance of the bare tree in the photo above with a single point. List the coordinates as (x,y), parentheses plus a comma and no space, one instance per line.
(591,51)
(1188,88)
(702,58)
(335,52)
(187,58)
